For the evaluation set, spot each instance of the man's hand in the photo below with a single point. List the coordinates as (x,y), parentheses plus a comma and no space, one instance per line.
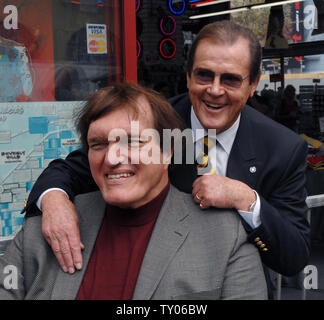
(60,227)
(211,190)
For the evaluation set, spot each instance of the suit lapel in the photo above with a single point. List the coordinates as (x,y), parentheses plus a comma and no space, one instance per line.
(242,163)
(183,175)
(169,233)
(67,286)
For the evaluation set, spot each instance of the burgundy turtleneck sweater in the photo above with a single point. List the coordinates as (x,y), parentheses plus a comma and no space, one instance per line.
(118,253)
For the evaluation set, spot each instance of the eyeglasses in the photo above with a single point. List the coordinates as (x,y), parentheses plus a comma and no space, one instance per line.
(228,80)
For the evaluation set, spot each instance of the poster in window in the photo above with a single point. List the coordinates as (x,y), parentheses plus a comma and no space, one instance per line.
(26,51)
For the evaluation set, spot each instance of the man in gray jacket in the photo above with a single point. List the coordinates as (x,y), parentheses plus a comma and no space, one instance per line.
(143,238)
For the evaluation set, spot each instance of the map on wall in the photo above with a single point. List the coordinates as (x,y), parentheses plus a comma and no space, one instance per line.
(32,134)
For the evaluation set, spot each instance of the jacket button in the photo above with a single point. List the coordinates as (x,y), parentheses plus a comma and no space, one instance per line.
(259,243)
(256,239)
(262,245)
(265,249)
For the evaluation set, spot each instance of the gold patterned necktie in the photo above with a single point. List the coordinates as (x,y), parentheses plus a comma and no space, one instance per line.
(202,159)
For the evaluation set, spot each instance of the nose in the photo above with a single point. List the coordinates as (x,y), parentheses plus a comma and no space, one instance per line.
(216,88)
(115,155)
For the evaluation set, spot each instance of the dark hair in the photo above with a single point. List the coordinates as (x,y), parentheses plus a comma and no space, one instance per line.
(228,32)
(125,95)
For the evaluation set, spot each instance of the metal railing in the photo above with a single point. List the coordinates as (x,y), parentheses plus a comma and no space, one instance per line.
(312,202)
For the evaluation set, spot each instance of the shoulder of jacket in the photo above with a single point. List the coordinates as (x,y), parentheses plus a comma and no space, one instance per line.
(87,197)
(269,128)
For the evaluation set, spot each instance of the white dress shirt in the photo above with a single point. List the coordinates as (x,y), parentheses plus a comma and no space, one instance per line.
(219,158)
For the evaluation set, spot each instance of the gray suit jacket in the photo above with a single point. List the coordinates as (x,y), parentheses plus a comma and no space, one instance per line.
(192,254)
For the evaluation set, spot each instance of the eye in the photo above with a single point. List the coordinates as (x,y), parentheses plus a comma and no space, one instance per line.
(204,76)
(231,80)
(98,146)
(135,143)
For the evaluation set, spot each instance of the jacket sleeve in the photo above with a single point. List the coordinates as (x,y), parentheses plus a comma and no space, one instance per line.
(244,278)
(283,238)
(72,175)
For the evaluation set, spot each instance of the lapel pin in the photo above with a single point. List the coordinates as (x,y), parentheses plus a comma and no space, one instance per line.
(253,169)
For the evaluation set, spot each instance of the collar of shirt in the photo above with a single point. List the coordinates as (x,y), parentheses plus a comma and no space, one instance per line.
(225,139)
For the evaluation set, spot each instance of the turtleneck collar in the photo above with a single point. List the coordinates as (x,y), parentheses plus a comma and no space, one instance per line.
(141,215)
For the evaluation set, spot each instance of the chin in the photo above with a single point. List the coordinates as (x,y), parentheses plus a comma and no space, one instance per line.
(117,203)
(211,125)
(122,200)
(114,199)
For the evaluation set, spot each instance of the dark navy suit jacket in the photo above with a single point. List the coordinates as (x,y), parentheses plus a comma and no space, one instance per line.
(277,153)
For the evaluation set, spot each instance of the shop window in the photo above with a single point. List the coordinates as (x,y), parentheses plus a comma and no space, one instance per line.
(53,54)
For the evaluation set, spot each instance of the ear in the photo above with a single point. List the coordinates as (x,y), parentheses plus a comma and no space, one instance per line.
(254,85)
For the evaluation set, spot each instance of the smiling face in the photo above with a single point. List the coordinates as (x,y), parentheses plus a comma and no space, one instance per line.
(216,105)
(122,179)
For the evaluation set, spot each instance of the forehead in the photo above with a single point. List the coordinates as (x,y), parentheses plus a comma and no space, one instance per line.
(121,117)
(224,56)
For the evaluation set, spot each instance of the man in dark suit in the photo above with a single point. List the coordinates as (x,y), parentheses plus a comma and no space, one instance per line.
(259,164)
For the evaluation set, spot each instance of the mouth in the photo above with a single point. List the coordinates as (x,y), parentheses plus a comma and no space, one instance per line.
(119,176)
(214,106)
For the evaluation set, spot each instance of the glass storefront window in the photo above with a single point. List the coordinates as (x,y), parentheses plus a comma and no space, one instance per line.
(279,26)
(306,75)
(53,54)
(278,29)
(58,50)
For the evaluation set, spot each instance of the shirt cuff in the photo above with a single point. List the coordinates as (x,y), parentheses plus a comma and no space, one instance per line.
(252,218)
(39,201)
